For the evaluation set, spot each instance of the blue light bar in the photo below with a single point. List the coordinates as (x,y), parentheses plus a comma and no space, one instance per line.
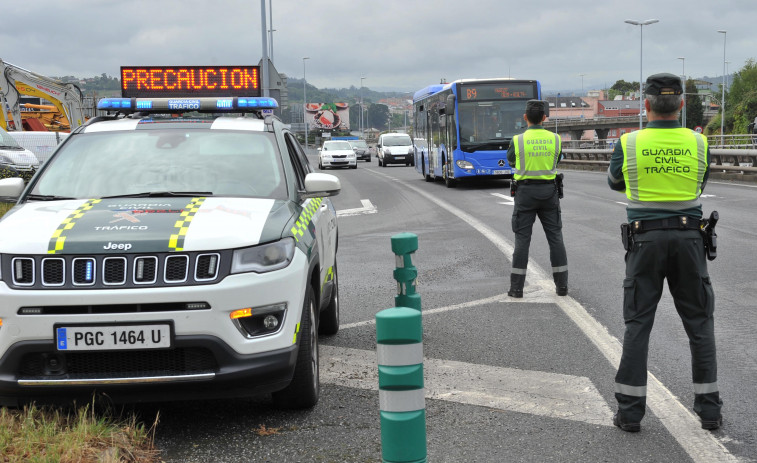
(114,103)
(179,105)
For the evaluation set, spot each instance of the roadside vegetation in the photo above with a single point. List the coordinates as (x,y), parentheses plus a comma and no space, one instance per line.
(52,434)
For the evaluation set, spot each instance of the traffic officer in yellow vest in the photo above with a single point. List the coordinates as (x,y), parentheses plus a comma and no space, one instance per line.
(535,155)
(663,170)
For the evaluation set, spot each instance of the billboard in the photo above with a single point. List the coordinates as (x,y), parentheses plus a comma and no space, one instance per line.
(327,116)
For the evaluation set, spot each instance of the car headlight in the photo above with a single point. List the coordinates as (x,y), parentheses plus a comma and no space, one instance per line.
(263,258)
(387,151)
(410,151)
(6,160)
(464,165)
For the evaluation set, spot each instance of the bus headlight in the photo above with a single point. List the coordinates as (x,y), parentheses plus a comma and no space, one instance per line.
(464,165)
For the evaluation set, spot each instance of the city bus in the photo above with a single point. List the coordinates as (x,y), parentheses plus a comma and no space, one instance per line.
(463,128)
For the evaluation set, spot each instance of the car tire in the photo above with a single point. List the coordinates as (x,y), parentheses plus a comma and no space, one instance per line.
(426,176)
(354,167)
(448,182)
(328,322)
(304,390)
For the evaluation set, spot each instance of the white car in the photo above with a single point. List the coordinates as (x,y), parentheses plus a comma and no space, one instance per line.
(15,161)
(161,258)
(336,153)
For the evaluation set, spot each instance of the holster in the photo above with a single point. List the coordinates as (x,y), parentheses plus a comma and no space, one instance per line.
(709,236)
(513,187)
(558,185)
(626,236)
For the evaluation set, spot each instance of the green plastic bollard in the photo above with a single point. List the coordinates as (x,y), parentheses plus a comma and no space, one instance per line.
(403,246)
(399,334)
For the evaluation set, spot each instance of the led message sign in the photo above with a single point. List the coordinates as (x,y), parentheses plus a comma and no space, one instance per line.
(499,91)
(189,81)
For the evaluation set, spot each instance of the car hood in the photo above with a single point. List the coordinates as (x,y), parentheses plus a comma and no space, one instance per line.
(141,225)
(21,157)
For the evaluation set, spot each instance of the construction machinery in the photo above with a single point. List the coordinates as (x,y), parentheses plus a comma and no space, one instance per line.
(65,97)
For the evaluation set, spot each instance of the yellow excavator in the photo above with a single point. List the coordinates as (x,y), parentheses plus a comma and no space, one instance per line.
(66,99)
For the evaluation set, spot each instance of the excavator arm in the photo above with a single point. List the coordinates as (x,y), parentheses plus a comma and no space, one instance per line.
(16,81)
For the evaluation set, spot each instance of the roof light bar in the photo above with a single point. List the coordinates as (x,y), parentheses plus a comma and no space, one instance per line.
(179,105)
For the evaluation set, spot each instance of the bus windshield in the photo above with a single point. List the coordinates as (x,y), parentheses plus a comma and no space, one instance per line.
(489,122)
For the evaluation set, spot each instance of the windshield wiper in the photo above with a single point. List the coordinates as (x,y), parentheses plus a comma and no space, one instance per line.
(47,197)
(12,147)
(151,194)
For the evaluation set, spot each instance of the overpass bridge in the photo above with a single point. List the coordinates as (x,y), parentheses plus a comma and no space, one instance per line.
(600,125)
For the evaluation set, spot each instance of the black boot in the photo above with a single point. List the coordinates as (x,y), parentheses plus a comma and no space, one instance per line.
(561,283)
(516,285)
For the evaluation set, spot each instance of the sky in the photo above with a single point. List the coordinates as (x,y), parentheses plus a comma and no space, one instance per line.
(402,45)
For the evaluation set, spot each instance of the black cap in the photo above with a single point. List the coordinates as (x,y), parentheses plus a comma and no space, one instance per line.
(538,105)
(664,84)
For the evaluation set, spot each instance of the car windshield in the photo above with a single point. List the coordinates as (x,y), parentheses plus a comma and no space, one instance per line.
(359,144)
(398,140)
(7,141)
(217,162)
(336,145)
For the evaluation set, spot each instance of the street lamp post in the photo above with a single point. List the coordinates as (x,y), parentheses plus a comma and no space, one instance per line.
(362,127)
(683,78)
(582,84)
(722,100)
(641,25)
(305,101)
(270,34)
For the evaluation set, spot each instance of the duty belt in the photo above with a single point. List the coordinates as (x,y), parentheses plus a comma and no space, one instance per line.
(535,181)
(670,223)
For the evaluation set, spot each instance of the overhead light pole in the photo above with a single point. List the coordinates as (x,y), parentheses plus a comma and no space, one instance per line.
(683,78)
(582,83)
(641,25)
(305,101)
(722,100)
(362,127)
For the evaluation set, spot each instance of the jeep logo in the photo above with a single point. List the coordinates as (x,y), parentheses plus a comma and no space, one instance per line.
(118,246)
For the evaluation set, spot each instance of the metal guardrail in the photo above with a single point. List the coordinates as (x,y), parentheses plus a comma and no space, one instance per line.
(735,164)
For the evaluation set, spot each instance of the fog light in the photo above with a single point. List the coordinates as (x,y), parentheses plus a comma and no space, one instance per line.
(254,322)
(270,322)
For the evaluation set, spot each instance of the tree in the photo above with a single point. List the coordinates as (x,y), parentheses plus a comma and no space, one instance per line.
(741,99)
(378,116)
(694,109)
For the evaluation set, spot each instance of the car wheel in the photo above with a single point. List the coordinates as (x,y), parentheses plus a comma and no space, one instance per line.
(305,387)
(379,162)
(328,323)
(354,167)
(426,176)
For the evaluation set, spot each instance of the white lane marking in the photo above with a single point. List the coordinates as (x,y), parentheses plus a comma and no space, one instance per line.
(509,200)
(683,425)
(538,393)
(368,208)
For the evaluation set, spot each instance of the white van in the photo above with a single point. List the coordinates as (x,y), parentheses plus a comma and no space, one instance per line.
(15,159)
(395,148)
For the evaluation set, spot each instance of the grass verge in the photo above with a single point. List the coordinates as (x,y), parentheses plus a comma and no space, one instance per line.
(52,434)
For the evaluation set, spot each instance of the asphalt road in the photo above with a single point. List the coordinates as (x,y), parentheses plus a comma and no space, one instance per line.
(526,380)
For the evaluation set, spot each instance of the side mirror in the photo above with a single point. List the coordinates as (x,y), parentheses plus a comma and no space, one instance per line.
(318,184)
(11,187)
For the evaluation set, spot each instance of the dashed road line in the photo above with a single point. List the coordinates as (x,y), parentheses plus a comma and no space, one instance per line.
(368,208)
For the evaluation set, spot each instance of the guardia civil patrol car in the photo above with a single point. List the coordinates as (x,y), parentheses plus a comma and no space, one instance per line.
(161,254)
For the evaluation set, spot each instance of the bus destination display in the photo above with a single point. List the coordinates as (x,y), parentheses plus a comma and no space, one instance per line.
(500,91)
(198,81)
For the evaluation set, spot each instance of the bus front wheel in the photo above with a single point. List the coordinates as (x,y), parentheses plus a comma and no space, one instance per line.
(448,181)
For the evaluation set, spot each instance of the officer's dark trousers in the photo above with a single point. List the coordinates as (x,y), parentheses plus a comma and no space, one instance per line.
(679,257)
(532,201)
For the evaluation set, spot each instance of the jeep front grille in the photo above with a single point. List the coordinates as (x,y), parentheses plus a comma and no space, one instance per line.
(116,271)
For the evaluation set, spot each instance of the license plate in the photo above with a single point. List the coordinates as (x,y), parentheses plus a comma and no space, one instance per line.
(113,337)
(501,172)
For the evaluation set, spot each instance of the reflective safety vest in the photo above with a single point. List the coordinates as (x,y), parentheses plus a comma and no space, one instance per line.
(664,168)
(536,154)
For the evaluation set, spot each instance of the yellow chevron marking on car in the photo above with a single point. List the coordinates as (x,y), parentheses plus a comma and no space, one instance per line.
(59,239)
(176,243)
(296,330)
(305,217)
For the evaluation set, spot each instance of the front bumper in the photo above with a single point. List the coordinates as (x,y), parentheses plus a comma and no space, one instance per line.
(339,162)
(209,354)
(397,158)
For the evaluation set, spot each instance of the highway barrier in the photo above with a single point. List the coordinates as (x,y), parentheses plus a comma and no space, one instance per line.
(399,337)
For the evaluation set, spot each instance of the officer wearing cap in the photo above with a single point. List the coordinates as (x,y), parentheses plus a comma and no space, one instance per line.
(663,170)
(535,154)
